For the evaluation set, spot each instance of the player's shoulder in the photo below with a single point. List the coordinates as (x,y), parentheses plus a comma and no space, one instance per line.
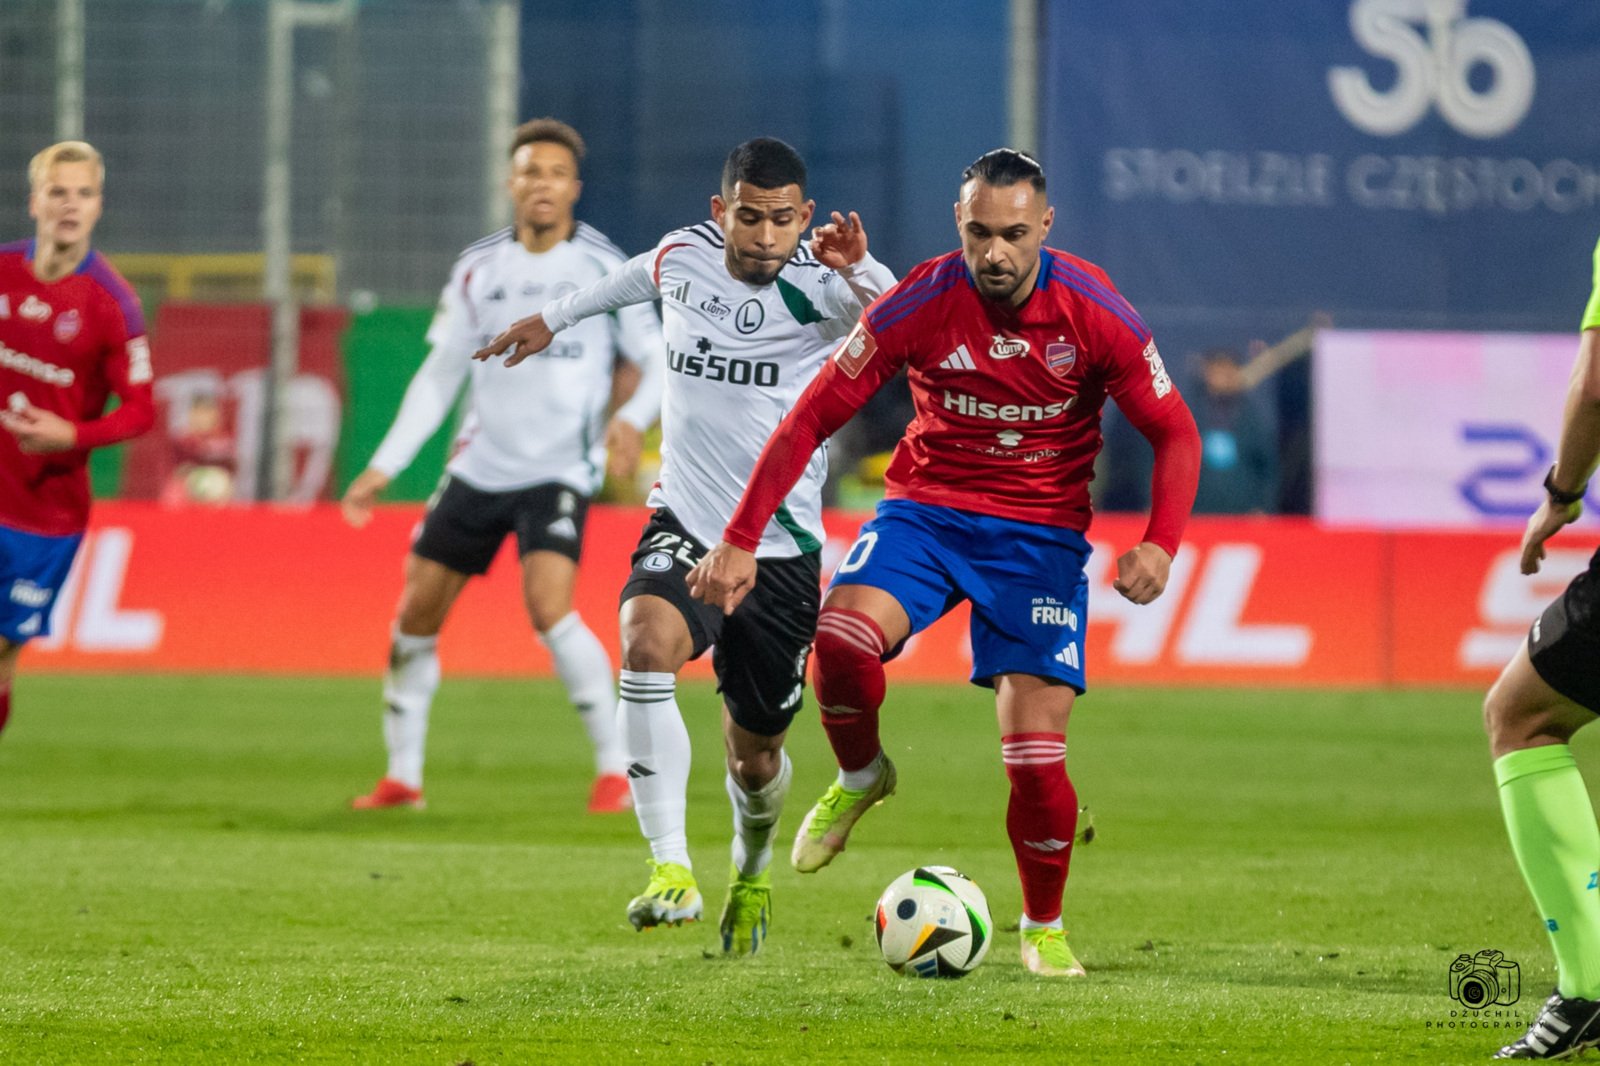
(16,249)
(922,285)
(105,277)
(484,248)
(705,237)
(1081,286)
(597,246)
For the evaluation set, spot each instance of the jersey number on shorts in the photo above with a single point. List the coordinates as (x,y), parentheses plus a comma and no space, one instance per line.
(859,552)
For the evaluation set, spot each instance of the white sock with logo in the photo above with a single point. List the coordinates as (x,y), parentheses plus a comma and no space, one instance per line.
(408,688)
(657,746)
(585,668)
(755,819)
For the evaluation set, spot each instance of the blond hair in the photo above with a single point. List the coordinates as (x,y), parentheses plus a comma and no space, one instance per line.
(64,152)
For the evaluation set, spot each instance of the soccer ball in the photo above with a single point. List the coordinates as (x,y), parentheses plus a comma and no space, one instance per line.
(933,922)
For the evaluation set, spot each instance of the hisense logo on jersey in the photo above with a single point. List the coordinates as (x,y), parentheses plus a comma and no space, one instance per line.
(1004,347)
(37,369)
(972,407)
(716,308)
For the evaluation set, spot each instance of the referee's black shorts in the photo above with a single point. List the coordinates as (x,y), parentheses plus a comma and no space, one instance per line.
(1564,642)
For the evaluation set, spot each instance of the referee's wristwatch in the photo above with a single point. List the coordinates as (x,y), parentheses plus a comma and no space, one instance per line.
(1557,496)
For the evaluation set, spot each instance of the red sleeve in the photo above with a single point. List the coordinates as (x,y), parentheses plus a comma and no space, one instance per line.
(1137,379)
(857,370)
(127,370)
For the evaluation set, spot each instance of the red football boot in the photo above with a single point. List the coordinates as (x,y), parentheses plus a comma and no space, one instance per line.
(390,793)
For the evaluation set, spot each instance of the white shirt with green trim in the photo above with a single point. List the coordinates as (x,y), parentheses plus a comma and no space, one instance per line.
(738,357)
(542,421)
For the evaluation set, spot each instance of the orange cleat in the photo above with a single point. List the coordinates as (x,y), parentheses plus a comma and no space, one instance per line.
(610,795)
(390,793)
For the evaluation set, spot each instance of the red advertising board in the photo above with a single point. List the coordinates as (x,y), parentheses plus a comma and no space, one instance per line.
(1251,601)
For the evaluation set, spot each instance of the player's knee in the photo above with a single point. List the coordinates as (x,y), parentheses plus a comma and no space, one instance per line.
(849,661)
(418,618)
(646,649)
(755,770)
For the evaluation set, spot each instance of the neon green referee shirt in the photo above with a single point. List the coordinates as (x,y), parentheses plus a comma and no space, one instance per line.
(1591,314)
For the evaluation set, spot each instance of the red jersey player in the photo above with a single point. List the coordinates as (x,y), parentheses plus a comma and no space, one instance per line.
(71,334)
(1011,349)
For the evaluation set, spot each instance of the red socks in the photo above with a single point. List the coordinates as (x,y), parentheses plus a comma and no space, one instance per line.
(1041,819)
(5,706)
(849,681)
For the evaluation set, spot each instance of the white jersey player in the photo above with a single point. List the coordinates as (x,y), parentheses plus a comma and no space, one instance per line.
(750,317)
(530,454)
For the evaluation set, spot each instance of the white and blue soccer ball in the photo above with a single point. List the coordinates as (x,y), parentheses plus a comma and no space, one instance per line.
(933,922)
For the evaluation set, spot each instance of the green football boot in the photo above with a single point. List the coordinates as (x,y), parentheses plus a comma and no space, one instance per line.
(747,913)
(1045,952)
(827,825)
(671,898)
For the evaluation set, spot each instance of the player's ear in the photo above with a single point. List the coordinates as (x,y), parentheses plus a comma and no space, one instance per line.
(577,189)
(719,208)
(807,209)
(958,217)
(1049,218)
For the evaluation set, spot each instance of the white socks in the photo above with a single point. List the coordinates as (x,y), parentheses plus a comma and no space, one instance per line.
(585,668)
(657,746)
(857,780)
(408,688)
(755,817)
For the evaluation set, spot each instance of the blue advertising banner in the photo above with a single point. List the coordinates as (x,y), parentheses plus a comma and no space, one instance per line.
(1235,164)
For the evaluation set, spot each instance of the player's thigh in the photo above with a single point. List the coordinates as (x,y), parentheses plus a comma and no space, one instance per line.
(547,582)
(464,527)
(1551,687)
(899,570)
(663,626)
(550,518)
(430,591)
(1030,599)
(33,568)
(1522,710)
(760,659)
(1028,704)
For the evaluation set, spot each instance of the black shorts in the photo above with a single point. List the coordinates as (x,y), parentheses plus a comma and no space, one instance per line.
(464,526)
(761,649)
(1564,642)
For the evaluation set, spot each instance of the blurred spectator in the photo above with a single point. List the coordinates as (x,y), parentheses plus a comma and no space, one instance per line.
(204,456)
(1239,465)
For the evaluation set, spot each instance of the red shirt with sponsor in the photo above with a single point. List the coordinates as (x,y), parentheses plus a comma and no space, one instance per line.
(66,346)
(1008,399)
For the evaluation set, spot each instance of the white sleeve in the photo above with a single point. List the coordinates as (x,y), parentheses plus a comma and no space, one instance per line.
(639,339)
(433,388)
(851,289)
(634,282)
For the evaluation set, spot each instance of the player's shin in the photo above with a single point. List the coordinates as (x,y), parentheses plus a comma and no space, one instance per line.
(656,744)
(1551,823)
(850,685)
(585,669)
(5,706)
(408,688)
(755,818)
(1041,820)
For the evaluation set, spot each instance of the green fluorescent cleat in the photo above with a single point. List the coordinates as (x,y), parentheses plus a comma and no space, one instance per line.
(671,898)
(1045,952)
(827,825)
(747,913)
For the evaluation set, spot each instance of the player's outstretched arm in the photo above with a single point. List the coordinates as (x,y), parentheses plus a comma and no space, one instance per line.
(527,336)
(723,577)
(362,494)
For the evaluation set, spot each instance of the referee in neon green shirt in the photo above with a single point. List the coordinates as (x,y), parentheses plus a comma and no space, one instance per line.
(1549,691)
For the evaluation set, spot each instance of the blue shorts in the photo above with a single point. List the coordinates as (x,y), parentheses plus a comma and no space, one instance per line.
(1025,581)
(32,570)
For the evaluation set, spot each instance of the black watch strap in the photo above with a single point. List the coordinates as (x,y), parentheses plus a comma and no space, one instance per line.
(1562,499)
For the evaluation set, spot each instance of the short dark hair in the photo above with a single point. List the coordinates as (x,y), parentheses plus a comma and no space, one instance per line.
(551,130)
(1005,166)
(766,163)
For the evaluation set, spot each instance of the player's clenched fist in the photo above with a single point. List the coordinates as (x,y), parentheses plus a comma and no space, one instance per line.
(526,337)
(1142,573)
(724,577)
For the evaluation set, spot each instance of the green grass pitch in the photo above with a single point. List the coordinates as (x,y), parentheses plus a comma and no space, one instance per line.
(1280,877)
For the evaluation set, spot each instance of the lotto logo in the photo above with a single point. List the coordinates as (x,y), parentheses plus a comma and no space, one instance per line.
(1435,52)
